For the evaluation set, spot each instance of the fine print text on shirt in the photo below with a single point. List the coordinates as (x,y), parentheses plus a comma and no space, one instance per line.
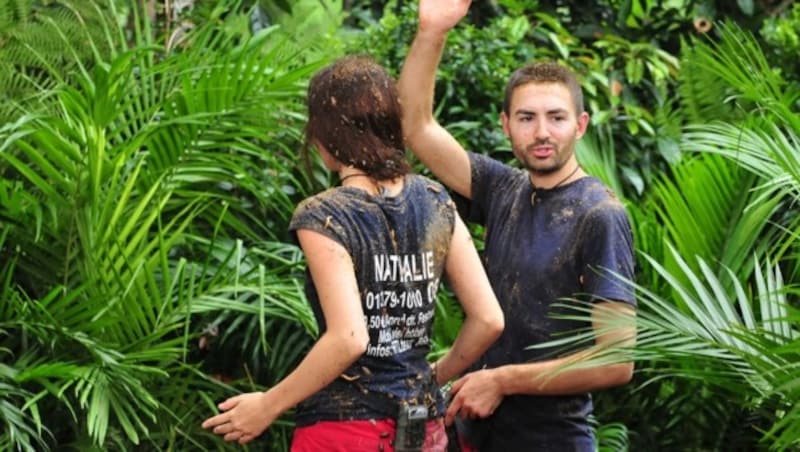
(399,332)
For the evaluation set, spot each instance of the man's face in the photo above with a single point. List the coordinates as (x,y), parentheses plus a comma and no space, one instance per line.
(543,126)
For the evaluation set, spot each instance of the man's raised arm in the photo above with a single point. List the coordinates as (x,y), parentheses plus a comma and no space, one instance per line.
(428,140)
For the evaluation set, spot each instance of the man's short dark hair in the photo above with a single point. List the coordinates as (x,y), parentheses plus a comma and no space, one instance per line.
(544,72)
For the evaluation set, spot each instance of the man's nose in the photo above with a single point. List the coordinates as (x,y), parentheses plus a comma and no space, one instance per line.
(540,129)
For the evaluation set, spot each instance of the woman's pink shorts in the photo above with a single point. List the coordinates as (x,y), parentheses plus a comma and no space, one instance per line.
(362,436)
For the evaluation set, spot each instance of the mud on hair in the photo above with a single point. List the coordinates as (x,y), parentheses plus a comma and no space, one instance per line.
(354,111)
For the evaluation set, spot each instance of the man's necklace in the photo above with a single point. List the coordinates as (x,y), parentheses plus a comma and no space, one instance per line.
(536,189)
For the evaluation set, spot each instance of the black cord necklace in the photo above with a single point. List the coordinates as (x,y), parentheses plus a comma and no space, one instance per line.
(536,189)
(342,179)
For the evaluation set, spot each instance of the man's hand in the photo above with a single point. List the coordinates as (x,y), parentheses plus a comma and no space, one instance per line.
(475,395)
(439,16)
(244,418)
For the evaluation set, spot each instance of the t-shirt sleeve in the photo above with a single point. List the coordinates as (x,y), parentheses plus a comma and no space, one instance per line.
(608,254)
(318,216)
(447,203)
(489,178)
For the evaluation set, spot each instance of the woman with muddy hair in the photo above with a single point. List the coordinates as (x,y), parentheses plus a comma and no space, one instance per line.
(376,248)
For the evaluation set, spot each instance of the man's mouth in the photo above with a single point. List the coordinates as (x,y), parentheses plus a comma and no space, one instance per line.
(542,151)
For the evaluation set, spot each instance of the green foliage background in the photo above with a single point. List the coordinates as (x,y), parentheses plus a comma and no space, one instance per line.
(150,163)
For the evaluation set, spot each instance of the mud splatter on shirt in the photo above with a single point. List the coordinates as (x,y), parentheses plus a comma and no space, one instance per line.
(398,246)
(566,246)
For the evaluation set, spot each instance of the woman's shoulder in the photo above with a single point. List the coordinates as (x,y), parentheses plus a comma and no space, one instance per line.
(328,198)
(328,202)
(422,183)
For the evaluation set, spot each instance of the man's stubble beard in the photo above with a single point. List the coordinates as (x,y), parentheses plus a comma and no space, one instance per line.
(553,164)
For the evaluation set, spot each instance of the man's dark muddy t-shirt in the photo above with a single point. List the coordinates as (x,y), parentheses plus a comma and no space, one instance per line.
(398,246)
(569,244)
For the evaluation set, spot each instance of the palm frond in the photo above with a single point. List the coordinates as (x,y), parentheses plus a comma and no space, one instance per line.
(744,345)
(140,201)
(702,92)
(710,208)
(612,437)
(739,61)
(769,150)
(22,423)
(597,157)
(39,36)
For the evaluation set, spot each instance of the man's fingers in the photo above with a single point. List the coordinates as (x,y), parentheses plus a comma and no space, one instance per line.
(457,385)
(452,410)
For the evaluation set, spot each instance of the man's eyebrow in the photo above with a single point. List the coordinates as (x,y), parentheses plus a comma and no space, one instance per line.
(554,111)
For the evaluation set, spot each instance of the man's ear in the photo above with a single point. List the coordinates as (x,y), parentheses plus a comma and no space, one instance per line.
(504,123)
(583,124)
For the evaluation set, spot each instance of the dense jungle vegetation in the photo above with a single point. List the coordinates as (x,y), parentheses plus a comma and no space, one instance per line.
(149,153)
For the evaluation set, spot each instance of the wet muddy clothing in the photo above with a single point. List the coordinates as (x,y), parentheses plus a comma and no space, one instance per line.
(536,254)
(398,246)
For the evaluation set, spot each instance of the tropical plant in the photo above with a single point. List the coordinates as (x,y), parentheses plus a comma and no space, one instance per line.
(148,175)
(782,32)
(142,213)
(33,35)
(742,346)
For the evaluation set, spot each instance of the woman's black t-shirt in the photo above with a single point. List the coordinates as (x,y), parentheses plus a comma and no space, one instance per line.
(398,246)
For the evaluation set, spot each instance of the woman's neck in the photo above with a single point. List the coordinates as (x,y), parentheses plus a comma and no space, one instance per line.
(352,177)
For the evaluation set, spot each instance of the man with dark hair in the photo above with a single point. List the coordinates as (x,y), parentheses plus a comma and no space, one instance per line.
(553,235)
